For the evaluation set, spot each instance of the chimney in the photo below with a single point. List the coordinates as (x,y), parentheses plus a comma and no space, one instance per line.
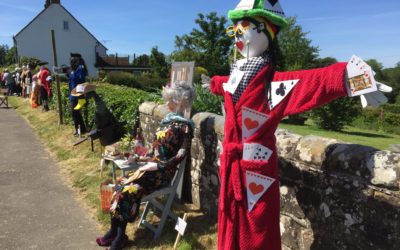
(49,2)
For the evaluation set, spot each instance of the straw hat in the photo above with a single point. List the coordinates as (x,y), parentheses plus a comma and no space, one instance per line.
(83,89)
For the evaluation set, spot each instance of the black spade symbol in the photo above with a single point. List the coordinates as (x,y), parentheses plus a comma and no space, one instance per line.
(272,2)
(281,89)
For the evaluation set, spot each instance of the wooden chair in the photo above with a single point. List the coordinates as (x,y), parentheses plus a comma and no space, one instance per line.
(3,98)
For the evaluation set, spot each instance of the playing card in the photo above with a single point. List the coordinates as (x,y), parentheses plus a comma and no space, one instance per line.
(248,151)
(279,90)
(252,120)
(256,185)
(233,81)
(360,77)
(261,153)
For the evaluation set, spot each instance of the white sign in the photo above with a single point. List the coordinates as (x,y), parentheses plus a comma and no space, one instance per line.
(180,226)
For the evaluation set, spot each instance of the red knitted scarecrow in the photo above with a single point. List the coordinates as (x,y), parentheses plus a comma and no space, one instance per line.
(257,98)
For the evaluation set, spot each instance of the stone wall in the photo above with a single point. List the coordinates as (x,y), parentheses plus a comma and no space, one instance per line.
(334,195)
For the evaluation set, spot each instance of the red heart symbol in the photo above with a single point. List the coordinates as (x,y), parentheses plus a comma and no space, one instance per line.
(239,45)
(250,124)
(255,189)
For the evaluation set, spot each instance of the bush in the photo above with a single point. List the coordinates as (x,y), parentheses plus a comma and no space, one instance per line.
(122,101)
(122,78)
(379,119)
(206,102)
(146,81)
(335,115)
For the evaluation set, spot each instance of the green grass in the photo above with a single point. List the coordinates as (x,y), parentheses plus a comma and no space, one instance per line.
(350,134)
(80,167)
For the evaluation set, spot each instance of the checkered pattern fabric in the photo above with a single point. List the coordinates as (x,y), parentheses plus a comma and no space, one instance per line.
(250,68)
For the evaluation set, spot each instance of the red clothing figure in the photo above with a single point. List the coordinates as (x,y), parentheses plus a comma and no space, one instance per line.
(259,229)
(44,80)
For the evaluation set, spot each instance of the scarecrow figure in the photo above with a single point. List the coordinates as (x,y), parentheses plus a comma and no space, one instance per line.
(257,98)
(107,127)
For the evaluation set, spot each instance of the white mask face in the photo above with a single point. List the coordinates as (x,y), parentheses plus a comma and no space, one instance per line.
(250,42)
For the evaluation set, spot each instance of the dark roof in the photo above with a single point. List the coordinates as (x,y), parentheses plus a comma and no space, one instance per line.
(72,18)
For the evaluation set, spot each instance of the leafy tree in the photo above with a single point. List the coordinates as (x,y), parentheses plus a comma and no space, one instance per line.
(393,79)
(377,67)
(159,63)
(338,113)
(209,46)
(294,48)
(324,62)
(3,52)
(10,56)
(141,61)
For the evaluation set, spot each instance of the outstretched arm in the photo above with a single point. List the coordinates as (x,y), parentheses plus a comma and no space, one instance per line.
(313,88)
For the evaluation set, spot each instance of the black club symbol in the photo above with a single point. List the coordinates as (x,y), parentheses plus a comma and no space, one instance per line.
(281,89)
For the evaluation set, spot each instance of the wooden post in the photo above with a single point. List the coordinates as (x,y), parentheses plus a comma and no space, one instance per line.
(60,115)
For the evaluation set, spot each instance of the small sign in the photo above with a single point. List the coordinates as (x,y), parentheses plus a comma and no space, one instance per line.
(180,226)
(182,71)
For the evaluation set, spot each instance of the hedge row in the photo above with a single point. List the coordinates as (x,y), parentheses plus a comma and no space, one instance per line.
(122,101)
(385,119)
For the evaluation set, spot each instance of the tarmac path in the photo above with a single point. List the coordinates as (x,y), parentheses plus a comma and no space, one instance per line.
(37,209)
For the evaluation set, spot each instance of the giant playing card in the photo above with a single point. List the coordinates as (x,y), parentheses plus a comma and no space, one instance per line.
(279,90)
(256,185)
(251,121)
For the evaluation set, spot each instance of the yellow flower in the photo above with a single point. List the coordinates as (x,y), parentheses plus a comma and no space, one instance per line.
(160,134)
(130,189)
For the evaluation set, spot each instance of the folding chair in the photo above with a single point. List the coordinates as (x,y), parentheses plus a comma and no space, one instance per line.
(151,201)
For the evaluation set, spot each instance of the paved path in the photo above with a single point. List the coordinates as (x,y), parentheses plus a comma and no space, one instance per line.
(37,210)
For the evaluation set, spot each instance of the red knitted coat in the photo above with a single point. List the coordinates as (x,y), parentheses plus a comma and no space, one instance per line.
(259,229)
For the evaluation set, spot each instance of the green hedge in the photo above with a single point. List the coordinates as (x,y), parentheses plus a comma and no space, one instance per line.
(146,81)
(380,119)
(122,101)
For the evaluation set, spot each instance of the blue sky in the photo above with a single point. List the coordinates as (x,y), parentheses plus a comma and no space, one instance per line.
(340,28)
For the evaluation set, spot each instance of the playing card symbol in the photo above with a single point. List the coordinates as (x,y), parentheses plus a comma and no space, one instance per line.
(272,2)
(255,189)
(250,124)
(233,80)
(281,89)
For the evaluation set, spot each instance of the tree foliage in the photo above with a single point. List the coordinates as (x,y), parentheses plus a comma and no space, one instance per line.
(335,115)
(159,63)
(294,48)
(7,55)
(209,46)
(141,61)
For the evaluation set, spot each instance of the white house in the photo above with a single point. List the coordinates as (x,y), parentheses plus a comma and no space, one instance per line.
(34,40)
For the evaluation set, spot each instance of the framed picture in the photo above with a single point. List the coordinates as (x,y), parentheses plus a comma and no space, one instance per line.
(182,71)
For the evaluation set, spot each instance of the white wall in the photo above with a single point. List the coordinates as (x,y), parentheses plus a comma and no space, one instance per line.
(35,40)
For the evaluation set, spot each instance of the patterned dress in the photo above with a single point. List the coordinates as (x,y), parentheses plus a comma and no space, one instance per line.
(170,138)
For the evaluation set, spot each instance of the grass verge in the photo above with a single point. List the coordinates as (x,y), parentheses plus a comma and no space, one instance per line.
(80,166)
(349,134)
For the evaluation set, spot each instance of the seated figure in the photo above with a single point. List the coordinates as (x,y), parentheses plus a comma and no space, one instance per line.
(172,142)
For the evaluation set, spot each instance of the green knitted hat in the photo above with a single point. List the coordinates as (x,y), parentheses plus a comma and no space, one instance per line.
(268,9)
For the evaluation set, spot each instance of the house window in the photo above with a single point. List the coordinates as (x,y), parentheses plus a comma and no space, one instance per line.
(66,25)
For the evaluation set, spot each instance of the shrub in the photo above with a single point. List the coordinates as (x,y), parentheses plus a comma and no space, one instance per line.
(122,101)
(122,78)
(206,102)
(379,119)
(335,115)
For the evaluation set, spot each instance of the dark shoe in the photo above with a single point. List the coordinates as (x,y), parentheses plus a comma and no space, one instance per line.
(76,134)
(103,243)
(125,240)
